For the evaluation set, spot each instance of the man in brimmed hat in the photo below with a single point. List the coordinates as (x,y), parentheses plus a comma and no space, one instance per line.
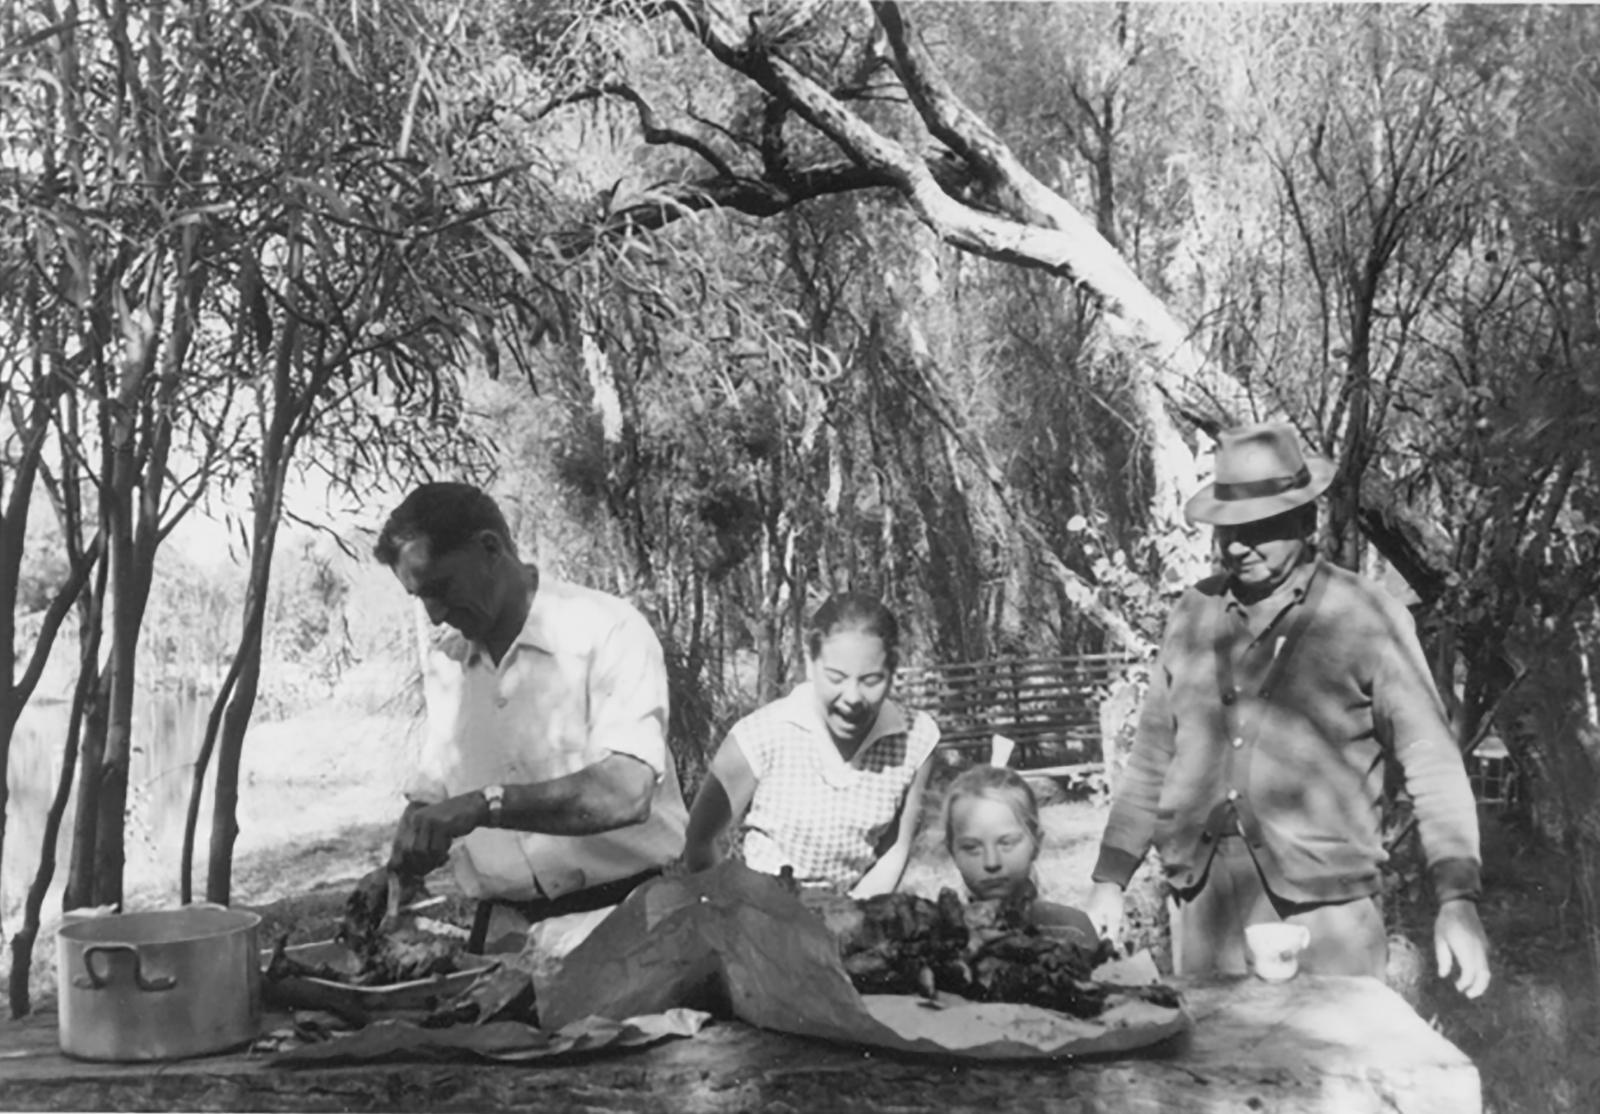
(1283,689)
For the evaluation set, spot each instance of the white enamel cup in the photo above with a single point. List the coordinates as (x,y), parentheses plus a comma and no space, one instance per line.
(1273,950)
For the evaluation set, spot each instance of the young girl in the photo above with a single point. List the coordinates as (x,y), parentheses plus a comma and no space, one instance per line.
(827,780)
(993,833)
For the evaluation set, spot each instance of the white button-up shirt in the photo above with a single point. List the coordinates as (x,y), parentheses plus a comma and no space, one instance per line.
(584,679)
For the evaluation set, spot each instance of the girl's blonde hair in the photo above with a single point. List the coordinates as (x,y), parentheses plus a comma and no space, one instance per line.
(1000,784)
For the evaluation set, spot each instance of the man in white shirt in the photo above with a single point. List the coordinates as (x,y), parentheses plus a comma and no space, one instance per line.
(545,780)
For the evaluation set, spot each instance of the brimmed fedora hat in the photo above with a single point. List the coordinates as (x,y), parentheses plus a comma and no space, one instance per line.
(1260,473)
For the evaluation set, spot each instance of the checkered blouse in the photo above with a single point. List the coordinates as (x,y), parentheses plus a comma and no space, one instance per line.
(812,810)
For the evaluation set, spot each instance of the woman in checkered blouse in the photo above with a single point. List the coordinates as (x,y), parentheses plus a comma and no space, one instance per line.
(829,779)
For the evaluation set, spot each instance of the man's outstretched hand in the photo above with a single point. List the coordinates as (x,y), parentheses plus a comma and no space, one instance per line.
(1104,908)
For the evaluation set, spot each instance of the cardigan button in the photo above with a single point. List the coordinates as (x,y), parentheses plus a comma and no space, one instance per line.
(1229,696)
(1233,794)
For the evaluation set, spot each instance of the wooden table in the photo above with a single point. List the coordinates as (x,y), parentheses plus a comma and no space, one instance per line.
(1317,1044)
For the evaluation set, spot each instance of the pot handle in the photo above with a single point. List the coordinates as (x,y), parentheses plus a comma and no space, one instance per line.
(93,980)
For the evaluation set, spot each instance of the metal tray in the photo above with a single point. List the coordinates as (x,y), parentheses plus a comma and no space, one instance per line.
(416,994)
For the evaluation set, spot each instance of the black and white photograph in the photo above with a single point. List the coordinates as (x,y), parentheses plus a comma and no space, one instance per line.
(788,556)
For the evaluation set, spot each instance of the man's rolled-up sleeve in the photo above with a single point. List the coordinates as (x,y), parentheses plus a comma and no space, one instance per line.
(628,696)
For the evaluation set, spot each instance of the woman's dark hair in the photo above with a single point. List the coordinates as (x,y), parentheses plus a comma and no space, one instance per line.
(855,611)
(447,514)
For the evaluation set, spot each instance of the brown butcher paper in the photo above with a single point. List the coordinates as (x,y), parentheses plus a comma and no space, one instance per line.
(734,940)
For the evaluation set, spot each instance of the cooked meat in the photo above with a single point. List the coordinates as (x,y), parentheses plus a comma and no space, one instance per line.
(900,936)
(985,951)
(367,911)
(406,954)
(284,966)
(402,955)
(386,949)
(363,916)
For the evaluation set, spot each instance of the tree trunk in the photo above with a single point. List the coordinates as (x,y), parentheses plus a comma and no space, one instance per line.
(931,393)
(225,801)
(769,655)
(1036,227)
(89,628)
(79,891)
(15,505)
(140,429)
(290,409)
(1344,504)
(976,196)
(236,720)
(111,775)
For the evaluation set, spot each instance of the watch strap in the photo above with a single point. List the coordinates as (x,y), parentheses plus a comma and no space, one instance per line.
(495,797)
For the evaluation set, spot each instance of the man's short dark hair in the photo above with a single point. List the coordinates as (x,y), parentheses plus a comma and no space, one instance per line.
(448,514)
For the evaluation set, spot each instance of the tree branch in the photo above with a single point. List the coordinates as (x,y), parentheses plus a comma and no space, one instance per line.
(750,196)
(653,131)
(66,595)
(935,398)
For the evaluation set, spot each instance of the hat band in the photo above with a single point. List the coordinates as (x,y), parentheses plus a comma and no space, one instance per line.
(1256,489)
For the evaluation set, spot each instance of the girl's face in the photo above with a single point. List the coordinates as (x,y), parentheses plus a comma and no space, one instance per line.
(991,846)
(851,677)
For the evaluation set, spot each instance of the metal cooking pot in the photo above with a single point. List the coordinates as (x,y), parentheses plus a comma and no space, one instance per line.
(159,985)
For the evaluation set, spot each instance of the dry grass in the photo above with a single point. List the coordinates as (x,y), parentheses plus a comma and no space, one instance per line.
(1535,1035)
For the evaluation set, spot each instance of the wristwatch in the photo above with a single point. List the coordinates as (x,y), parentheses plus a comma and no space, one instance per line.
(495,797)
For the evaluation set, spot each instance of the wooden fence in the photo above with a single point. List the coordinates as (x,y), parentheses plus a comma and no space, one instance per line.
(1050,706)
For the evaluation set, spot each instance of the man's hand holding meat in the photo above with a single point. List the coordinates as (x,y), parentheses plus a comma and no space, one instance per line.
(422,840)
(544,779)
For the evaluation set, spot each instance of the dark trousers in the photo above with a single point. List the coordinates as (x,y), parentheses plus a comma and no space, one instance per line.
(544,908)
(1208,923)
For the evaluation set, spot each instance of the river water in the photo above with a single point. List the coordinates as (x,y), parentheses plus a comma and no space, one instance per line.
(167,730)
